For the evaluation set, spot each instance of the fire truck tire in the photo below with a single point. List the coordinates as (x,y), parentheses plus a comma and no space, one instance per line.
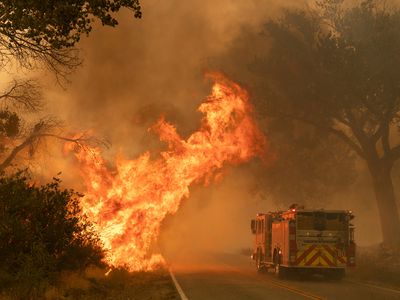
(280,271)
(259,262)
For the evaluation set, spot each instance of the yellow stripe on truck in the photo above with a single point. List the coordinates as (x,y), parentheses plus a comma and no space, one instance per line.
(317,256)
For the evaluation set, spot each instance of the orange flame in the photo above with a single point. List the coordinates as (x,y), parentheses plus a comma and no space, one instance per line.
(129,204)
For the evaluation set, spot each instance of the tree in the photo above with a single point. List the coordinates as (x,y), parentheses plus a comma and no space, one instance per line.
(43,232)
(338,69)
(19,100)
(307,167)
(46,31)
(43,32)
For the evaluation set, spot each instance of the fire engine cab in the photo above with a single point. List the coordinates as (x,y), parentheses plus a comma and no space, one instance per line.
(317,241)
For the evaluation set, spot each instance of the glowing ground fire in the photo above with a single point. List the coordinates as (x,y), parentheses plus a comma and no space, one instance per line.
(127,206)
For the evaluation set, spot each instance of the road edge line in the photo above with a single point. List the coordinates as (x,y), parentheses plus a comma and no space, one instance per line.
(177,286)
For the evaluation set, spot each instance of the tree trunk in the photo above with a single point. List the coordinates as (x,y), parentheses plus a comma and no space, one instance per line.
(386,201)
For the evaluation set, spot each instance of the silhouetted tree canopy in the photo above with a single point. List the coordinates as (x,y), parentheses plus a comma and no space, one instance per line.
(57,23)
(307,167)
(47,30)
(337,68)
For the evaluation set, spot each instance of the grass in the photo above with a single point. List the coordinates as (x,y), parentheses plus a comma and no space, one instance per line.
(93,284)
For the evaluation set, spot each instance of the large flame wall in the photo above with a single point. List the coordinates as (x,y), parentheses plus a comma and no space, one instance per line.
(128,205)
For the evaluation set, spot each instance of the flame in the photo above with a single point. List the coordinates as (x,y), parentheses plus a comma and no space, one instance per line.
(128,205)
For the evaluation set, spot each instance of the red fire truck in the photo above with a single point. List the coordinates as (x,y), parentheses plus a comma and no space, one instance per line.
(301,240)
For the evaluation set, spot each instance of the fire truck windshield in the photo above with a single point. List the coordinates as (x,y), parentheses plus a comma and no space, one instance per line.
(321,221)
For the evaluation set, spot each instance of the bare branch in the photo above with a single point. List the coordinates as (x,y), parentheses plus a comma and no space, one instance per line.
(44,129)
(23,94)
(30,55)
(83,141)
(9,159)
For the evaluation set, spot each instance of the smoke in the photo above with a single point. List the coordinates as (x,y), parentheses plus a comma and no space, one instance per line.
(142,69)
(154,62)
(145,68)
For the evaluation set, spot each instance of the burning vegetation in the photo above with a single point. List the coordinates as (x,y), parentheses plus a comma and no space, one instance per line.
(127,205)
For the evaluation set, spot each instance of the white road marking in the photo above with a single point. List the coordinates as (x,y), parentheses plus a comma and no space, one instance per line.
(178,287)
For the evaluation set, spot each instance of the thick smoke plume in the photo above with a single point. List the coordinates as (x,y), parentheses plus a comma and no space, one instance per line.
(145,68)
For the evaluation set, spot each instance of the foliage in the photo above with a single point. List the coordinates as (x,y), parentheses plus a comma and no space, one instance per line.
(20,133)
(46,31)
(9,124)
(58,23)
(308,167)
(19,100)
(337,69)
(43,32)
(340,67)
(42,232)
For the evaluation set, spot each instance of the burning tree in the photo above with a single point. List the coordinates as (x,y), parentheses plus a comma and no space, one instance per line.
(337,68)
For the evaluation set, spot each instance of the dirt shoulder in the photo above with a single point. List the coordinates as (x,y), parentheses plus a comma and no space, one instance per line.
(93,284)
(141,285)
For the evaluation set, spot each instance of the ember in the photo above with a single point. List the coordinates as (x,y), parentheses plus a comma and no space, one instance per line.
(129,205)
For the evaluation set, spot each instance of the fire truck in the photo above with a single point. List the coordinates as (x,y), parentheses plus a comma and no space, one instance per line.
(305,241)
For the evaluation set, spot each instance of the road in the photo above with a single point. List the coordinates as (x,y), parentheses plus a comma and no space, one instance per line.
(233,277)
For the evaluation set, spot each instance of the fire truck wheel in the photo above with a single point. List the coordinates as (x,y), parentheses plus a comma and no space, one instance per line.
(280,271)
(259,262)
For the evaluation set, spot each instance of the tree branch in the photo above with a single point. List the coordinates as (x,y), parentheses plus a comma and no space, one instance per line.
(353,145)
(7,162)
(24,94)
(84,141)
(340,134)
(30,54)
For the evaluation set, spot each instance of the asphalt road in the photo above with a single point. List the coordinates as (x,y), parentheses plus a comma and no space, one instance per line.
(233,277)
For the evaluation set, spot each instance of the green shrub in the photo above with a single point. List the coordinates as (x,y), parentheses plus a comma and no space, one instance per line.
(42,232)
